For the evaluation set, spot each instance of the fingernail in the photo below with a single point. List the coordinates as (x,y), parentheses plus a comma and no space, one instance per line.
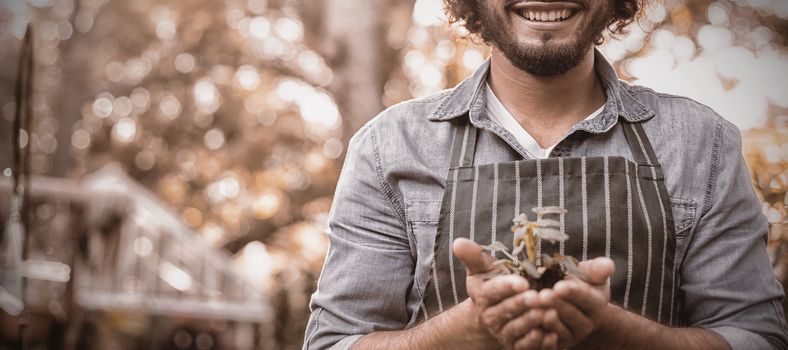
(560,287)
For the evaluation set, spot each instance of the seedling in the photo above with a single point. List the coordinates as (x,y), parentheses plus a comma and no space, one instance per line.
(523,259)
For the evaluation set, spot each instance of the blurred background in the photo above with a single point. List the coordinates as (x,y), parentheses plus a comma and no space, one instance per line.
(183,154)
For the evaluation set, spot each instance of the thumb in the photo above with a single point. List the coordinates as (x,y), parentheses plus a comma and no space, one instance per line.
(597,270)
(473,256)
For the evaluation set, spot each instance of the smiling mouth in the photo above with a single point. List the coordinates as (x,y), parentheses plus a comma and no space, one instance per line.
(545,11)
(547,16)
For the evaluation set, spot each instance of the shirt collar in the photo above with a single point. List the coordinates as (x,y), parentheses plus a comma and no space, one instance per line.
(620,103)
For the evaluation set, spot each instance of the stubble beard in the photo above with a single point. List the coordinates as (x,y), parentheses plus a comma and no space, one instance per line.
(547,58)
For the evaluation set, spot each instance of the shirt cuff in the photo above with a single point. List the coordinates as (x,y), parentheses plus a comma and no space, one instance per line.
(740,339)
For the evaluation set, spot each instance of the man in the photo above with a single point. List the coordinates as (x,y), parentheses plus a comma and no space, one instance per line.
(655,187)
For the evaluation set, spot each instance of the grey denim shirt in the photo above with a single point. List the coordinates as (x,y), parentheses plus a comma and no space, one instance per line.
(383,220)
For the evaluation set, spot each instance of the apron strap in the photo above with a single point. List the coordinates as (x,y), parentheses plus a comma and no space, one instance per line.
(640,144)
(464,146)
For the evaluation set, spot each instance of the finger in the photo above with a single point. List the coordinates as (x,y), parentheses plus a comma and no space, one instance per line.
(586,299)
(522,325)
(550,342)
(532,340)
(474,257)
(499,288)
(499,314)
(552,323)
(597,270)
(578,323)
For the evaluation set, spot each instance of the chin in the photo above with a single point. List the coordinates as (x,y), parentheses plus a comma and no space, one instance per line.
(545,58)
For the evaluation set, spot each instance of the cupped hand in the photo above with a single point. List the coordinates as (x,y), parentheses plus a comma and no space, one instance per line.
(504,304)
(576,307)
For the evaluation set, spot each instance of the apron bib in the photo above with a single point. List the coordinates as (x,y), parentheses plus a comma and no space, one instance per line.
(616,208)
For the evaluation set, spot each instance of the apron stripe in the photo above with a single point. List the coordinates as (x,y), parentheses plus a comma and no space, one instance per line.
(672,295)
(664,244)
(608,224)
(494,219)
(472,231)
(561,200)
(645,145)
(649,230)
(452,211)
(452,217)
(461,161)
(436,283)
(608,219)
(539,204)
(640,142)
(629,237)
(584,198)
(517,189)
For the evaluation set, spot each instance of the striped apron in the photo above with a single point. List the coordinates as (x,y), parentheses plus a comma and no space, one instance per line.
(616,208)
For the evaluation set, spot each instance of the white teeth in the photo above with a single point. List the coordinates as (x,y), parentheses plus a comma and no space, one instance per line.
(546,16)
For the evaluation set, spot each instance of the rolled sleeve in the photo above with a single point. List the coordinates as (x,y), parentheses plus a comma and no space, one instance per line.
(739,338)
(369,268)
(727,283)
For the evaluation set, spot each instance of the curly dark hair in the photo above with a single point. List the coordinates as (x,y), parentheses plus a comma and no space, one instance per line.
(624,13)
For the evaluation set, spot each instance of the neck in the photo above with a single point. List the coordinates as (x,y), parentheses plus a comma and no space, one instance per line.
(558,101)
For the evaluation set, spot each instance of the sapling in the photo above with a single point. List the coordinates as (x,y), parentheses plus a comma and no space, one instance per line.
(523,259)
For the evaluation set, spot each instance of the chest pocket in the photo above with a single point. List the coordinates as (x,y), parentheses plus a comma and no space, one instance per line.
(422,216)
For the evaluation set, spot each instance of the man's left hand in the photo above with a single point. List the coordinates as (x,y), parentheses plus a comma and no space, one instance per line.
(576,307)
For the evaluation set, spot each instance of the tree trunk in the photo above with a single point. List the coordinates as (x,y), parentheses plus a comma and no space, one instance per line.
(75,53)
(352,35)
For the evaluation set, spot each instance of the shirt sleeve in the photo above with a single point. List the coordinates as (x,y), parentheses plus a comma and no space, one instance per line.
(727,281)
(369,268)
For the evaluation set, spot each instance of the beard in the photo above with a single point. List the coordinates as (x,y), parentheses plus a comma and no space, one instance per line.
(548,57)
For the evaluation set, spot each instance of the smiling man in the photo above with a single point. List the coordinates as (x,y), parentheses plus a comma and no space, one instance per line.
(660,207)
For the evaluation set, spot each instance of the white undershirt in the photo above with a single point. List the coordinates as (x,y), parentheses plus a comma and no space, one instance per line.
(498,113)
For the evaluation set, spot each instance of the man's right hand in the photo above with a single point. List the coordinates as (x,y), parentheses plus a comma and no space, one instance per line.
(504,304)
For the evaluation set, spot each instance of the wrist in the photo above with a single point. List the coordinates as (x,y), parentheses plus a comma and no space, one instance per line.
(610,320)
(619,328)
(470,312)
